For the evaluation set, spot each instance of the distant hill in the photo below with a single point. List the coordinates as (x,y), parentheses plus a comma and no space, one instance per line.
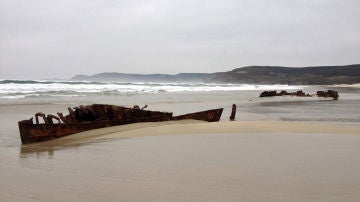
(121,77)
(325,75)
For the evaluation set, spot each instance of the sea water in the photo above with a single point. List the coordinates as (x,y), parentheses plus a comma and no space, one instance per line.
(17,89)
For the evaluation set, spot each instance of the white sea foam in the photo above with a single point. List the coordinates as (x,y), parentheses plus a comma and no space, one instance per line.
(23,89)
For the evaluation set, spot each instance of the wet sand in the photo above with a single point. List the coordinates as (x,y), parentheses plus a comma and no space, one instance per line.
(355,85)
(189,161)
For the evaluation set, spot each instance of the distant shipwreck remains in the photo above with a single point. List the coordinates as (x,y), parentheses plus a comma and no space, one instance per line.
(84,118)
(330,93)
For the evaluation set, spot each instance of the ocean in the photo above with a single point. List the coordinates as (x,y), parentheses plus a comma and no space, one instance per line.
(16,89)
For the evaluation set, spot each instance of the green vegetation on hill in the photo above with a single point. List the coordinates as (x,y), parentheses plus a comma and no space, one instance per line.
(325,75)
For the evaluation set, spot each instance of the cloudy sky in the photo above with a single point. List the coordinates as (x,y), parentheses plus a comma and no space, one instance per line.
(57,39)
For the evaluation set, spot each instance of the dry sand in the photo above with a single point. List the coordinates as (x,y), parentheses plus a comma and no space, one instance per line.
(200,127)
(195,127)
(190,161)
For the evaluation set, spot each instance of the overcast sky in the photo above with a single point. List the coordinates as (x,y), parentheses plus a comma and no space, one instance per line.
(58,39)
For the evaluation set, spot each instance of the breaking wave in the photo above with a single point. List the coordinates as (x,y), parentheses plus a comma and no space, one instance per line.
(16,89)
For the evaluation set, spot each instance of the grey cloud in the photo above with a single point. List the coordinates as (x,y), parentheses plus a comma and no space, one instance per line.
(45,39)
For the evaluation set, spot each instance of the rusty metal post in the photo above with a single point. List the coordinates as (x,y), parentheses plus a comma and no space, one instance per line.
(42,115)
(233,112)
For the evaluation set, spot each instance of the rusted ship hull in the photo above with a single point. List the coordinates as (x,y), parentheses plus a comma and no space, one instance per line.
(325,94)
(209,115)
(108,115)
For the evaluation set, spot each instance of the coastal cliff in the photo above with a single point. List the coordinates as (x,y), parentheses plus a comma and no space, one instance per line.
(122,77)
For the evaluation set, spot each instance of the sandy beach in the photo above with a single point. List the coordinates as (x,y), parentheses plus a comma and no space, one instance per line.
(189,161)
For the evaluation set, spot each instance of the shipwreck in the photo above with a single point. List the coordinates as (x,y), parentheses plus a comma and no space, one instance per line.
(325,94)
(89,117)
